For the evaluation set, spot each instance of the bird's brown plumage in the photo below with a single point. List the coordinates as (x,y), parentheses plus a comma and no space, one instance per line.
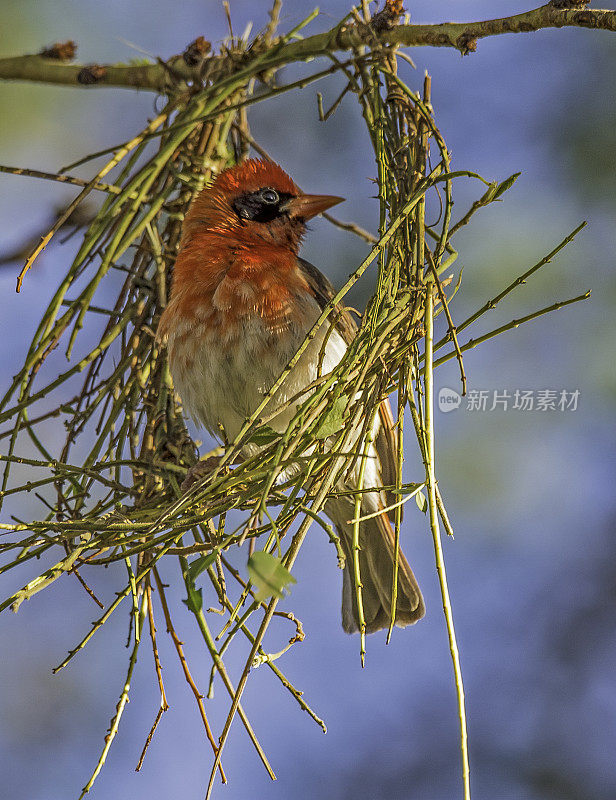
(241,304)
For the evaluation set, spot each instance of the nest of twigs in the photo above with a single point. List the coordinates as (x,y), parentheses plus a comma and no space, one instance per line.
(112,492)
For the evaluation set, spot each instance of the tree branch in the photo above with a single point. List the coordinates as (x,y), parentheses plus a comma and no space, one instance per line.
(464,35)
(153,77)
(161,77)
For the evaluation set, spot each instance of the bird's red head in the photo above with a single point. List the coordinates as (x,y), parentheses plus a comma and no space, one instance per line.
(257,202)
(238,250)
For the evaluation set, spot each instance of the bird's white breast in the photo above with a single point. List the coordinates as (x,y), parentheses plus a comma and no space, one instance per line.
(221,382)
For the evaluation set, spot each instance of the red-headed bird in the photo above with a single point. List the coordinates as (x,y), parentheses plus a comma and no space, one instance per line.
(242,302)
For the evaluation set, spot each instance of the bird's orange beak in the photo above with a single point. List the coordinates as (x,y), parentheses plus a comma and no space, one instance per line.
(307,206)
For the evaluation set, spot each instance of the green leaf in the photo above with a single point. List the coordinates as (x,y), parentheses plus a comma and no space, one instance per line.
(196,567)
(488,195)
(267,573)
(263,435)
(497,189)
(333,420)
(194,601)
(505,185)
(421,501)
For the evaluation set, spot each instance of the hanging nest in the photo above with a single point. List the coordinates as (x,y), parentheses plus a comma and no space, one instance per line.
(112,492)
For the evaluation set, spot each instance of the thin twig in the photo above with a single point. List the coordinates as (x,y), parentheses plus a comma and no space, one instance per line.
(434,527)
(450,323)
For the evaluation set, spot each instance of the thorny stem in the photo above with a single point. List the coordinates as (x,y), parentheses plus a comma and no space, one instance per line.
(292,553)
(187,675)
(436,537)
(92,184)
(235,695)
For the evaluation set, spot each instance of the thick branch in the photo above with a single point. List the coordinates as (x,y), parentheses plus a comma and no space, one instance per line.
(463,35)
(161,76)
(153,77)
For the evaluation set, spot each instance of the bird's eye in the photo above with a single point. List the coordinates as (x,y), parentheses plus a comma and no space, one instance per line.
(270,196)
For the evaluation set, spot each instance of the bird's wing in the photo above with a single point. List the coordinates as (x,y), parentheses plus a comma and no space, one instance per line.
(323,292)
(387,434)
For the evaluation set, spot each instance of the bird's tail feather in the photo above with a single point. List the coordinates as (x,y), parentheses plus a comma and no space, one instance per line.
(376,565)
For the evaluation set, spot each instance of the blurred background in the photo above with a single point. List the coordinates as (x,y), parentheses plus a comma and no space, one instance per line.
(532,569)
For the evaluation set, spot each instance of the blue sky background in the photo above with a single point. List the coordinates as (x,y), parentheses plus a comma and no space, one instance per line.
(532,569)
